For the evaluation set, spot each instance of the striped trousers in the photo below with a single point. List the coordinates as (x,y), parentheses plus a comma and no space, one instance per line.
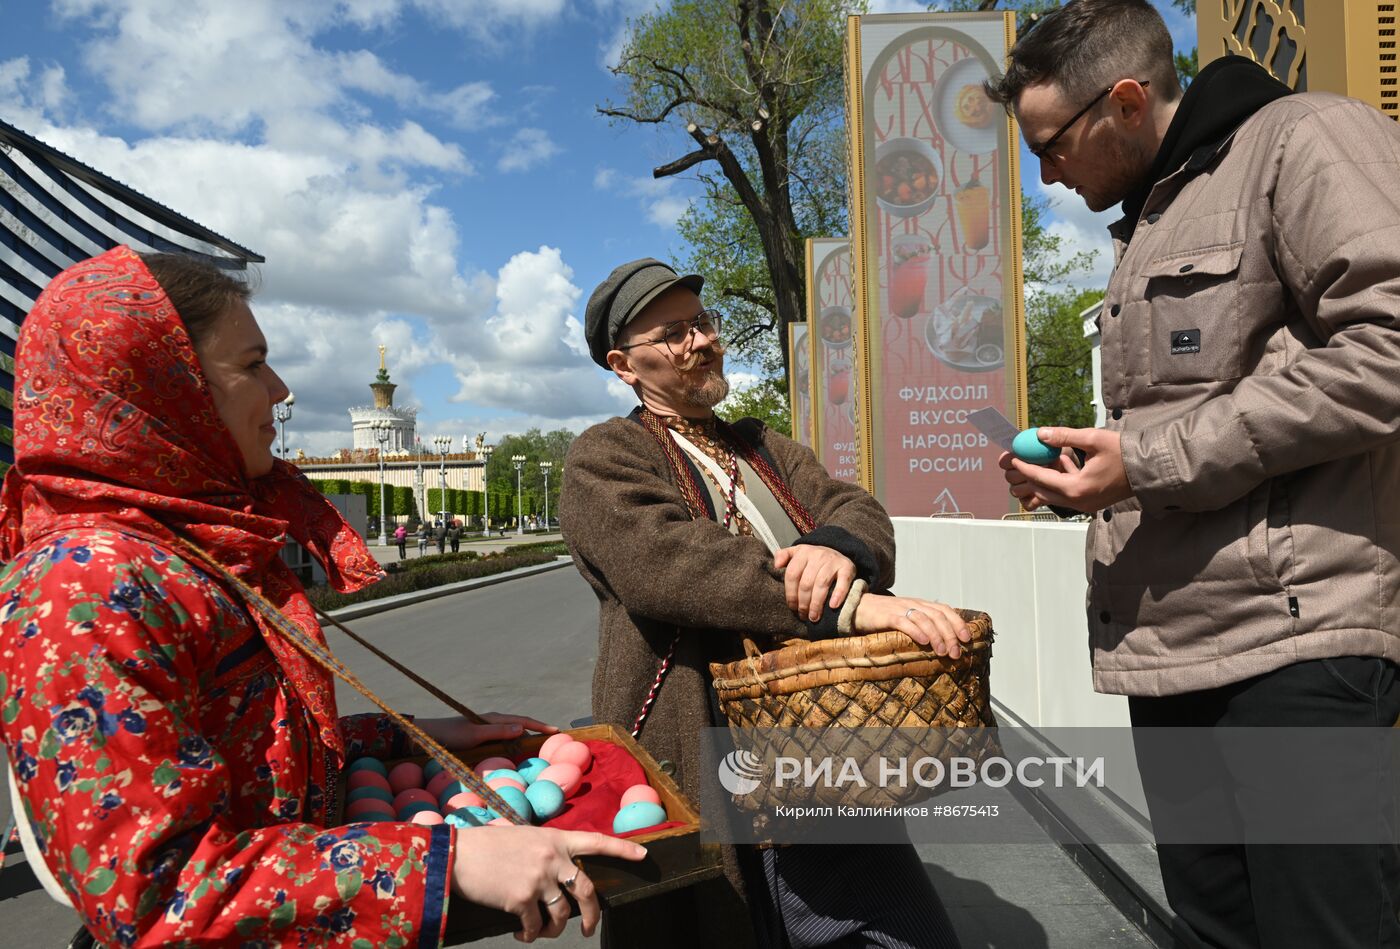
(848,896)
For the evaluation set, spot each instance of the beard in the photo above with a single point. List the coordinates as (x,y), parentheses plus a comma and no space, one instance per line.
(707,390)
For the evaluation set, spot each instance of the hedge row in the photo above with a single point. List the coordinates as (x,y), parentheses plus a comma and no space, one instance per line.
(436,574)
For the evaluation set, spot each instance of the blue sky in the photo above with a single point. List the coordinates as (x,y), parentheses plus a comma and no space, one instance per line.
(426,174)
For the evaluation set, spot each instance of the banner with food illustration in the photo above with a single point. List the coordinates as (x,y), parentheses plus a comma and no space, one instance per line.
(936,245)
(800,384)
(831,348)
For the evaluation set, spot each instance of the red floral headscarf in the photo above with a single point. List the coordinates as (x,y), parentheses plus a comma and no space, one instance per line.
(115,428)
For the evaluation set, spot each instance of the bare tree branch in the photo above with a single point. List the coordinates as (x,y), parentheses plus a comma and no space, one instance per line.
(681,164)
(748,296)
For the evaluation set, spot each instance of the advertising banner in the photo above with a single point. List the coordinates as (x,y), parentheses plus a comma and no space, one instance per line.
(800,384)
(830,314)
(936,257)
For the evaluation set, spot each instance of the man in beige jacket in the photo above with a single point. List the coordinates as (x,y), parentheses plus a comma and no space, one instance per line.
(1244,558)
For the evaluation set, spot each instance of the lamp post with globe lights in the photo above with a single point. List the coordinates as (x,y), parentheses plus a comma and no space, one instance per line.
(380,427)
(282,412)
(442,444)
(486,451)
(519,462)
(545,468)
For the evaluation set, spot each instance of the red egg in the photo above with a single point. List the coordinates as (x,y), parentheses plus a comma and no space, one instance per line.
(574,753)
(567,776)
(367,807)
(367,779)
(405,775)
(413,796)
(639,792)
(439,781)
(491,764)
(554,743)
(464,799)
(426,818)
(497,783)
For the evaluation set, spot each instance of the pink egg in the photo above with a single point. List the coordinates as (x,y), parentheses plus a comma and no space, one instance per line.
(552,744)
(440,780)
(567,776)
(367,779)
(366,807)
(413,796)
(500,820)
(575,753)
(405,775)
(639,792)
(491,764)
(464,799)
(496,784)
(427,818)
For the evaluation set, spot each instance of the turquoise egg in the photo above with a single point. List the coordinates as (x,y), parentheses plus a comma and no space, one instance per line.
(430,771)
(506,773)
(462,818)
(518,802)
(450,791)
(483,814)
(546,799)
(379,794)
(530,769)
(374,818)
(368,764)
(408,810)
(1028,447)
(638,815)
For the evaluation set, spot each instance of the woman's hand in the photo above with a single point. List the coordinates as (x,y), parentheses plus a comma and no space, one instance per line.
(923,621)
(521,869)
(458,734)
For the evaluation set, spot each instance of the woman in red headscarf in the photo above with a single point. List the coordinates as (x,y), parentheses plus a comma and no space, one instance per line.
(175,757)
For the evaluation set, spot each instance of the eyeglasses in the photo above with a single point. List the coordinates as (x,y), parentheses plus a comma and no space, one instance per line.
(1042,151)
(677,335)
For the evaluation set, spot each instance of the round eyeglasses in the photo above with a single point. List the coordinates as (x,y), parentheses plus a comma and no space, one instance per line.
(677,336)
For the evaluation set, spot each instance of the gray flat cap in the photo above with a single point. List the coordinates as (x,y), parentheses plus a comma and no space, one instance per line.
(618,299)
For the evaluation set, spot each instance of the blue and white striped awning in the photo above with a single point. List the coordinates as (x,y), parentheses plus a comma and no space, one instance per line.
(56,211)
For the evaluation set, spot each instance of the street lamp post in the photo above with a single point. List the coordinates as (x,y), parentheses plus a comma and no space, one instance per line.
(381,435)
(282,412)
(486,451)
(519,462)
(545,467)
(443,444)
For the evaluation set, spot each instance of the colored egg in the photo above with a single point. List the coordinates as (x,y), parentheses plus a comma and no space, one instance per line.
(483,815)
(427,818)
(361,810)
(496,784)
(637,816)
(567,776)
(518,802)
(415,807)
(413,796)
(464,799)
(503,772)
(379,794)
(367,779)
(368,764)
(463,819)
(439,781)
(640,792)
(1028,447)
(431,770)
(575,753)
(546,799)
(377,818)
(552,744)
(530,769)
(492,764)
(405,775)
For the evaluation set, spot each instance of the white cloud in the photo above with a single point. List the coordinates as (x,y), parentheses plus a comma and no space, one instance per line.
(656,196)
(898,6)
(1080,230)
(527,148)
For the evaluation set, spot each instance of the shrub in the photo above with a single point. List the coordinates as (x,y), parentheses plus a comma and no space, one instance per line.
(436,572)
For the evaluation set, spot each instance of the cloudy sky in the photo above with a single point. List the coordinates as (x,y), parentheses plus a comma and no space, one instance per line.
(426,174)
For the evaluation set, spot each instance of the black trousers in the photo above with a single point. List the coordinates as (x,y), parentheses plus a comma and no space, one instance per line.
(1276,896)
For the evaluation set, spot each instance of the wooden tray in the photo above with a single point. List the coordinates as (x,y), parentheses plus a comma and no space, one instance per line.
(675,857)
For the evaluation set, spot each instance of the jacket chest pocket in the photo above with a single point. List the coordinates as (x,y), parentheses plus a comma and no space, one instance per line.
(1194,304)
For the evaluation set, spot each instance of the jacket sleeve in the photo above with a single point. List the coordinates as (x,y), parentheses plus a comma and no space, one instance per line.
(1336,230)
(632,538)
(134,809)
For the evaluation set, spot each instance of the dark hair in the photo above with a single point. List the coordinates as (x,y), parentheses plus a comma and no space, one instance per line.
(1088,45)
(200,291)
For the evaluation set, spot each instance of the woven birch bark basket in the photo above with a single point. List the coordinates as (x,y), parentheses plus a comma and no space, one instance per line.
(865,698)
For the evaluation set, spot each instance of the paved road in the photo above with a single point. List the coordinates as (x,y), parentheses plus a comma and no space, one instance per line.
(527,646)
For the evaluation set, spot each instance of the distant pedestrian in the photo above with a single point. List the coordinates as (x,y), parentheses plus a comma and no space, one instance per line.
(423,534)
(454,536)
(401,538)
(440,535)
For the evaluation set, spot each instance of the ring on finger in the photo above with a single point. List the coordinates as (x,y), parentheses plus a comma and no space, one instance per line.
(910,612)
(557,897)
(569,883)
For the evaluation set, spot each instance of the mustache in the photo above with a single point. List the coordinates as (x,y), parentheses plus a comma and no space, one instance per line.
(693,358)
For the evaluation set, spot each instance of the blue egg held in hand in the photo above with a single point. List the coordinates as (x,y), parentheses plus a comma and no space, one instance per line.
(638,815)
(1028,447)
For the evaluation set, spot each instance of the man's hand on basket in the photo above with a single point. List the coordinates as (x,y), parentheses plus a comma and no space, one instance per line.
(458,734)
(814,577)
(924,621)
(528,871)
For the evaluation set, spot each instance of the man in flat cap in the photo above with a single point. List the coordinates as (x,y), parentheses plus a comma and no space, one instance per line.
(694,532)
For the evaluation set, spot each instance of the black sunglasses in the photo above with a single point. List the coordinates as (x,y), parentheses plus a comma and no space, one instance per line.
(1042,151)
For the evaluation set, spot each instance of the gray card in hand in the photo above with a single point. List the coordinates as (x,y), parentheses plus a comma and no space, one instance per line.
(994,425)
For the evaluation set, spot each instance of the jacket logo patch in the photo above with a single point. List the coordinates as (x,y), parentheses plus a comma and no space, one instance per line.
(1185,342)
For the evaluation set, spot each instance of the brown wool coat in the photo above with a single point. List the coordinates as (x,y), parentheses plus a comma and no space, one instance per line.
(656,570)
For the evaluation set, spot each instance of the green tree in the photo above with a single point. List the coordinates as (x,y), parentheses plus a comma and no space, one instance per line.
(765,400)
(1059,367)
(536,446)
